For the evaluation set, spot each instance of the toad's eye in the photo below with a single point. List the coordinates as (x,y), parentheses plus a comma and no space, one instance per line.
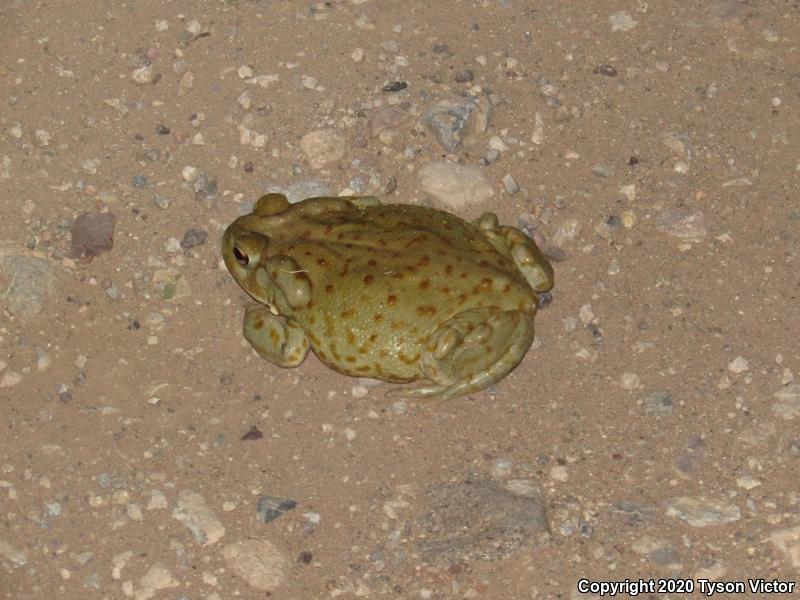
(240,256)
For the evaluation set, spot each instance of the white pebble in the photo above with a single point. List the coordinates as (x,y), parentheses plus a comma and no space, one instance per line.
(357,55)
(738,365)
(245,72)
(629,381)
(190,173)
(629,191)
(559,473)
(162,25)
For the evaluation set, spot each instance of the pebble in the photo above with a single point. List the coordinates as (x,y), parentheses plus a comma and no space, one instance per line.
(787,541)
(10,379)
(702,511)
(322,147)
(660,552)
(455,185)
(630,381)
(92,234)
(192,510)
(559,473)
(458,121)
(190,173)
(27,281)
(678,223)
(788,404)
(157,578)
(510,184)
(566,232)
(464,76)
(622,21)
(194,237)
(394,86)
(139,181)
(258,562)
(270,508)
(143,75)
(161,202)
(628,191)
(659,404)
(502,468)
(157,500)
(738,365)
(11,554)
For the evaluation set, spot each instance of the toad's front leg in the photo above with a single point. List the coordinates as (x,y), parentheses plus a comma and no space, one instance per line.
(281,341)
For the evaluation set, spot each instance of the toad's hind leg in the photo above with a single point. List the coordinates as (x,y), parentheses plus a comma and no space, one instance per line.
(471,351)
(280,341)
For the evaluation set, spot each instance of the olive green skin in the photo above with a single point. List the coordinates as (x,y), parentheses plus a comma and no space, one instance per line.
(396,292)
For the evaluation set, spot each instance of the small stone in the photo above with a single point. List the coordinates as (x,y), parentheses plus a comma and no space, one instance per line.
(194,237)
(143,75)
(270,508)
(10,379)
(161,202)
(559,473)
(322,147)
(162,25)
(455,185)
(788,404)
(678,143)
(659,404)
(42,137)
(308,82)
(394,86)
(606,70)
(157,578)
(703,511)
(11,554)
(245,72)
(622,21)
(510,184)
(629,191)
(787,541)
(738,365)
(258,562)
(602,171)
(677,223)
(630,381)
(190,173)
(502,468)
(357,55)
(464,76)
(157,501)
(460,121)
(747,482)
(566,232)
(139,181)
(660,552)
(92,234)
(192,510)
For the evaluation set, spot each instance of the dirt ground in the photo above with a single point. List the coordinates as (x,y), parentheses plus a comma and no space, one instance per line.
(650,432)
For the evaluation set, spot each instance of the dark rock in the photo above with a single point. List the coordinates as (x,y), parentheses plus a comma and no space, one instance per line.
(464,76)
(394,86)
(193,237)
(92,234)
(270,508)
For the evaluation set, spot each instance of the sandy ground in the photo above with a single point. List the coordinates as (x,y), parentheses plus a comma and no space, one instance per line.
(651,432)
